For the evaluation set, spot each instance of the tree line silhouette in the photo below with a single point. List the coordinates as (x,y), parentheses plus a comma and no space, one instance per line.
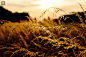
(5,14)
(72,17)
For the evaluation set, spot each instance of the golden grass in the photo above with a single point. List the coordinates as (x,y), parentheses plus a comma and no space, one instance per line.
(42,39)
(39,39)
(83,10)
(55,11)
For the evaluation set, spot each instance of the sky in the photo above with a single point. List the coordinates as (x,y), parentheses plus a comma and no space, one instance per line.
(36,7)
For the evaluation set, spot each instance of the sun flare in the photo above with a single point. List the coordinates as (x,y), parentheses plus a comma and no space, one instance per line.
(44,4)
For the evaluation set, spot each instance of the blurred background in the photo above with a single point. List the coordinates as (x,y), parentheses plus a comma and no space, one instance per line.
(36,7)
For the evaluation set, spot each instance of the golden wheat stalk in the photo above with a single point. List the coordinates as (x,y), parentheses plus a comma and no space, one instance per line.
(83,11)
(81,7)
(56,10)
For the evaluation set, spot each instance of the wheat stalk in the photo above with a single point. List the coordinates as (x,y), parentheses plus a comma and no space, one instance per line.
(56,10)
(81,7)
(83,10)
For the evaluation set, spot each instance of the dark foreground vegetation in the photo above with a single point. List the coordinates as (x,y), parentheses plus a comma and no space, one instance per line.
(48,38)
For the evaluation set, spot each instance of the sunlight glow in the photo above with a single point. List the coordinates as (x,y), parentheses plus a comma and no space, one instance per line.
(44,4)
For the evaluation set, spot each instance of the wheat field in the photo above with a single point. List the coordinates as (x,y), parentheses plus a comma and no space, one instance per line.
(42,39)
(46,38)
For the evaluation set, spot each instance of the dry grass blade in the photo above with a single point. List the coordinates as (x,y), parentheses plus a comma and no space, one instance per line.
(23,40)
(59,9)
(83,10)
(56,10)
(81,7)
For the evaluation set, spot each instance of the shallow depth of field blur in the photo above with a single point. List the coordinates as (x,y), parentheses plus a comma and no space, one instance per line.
(57,37)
